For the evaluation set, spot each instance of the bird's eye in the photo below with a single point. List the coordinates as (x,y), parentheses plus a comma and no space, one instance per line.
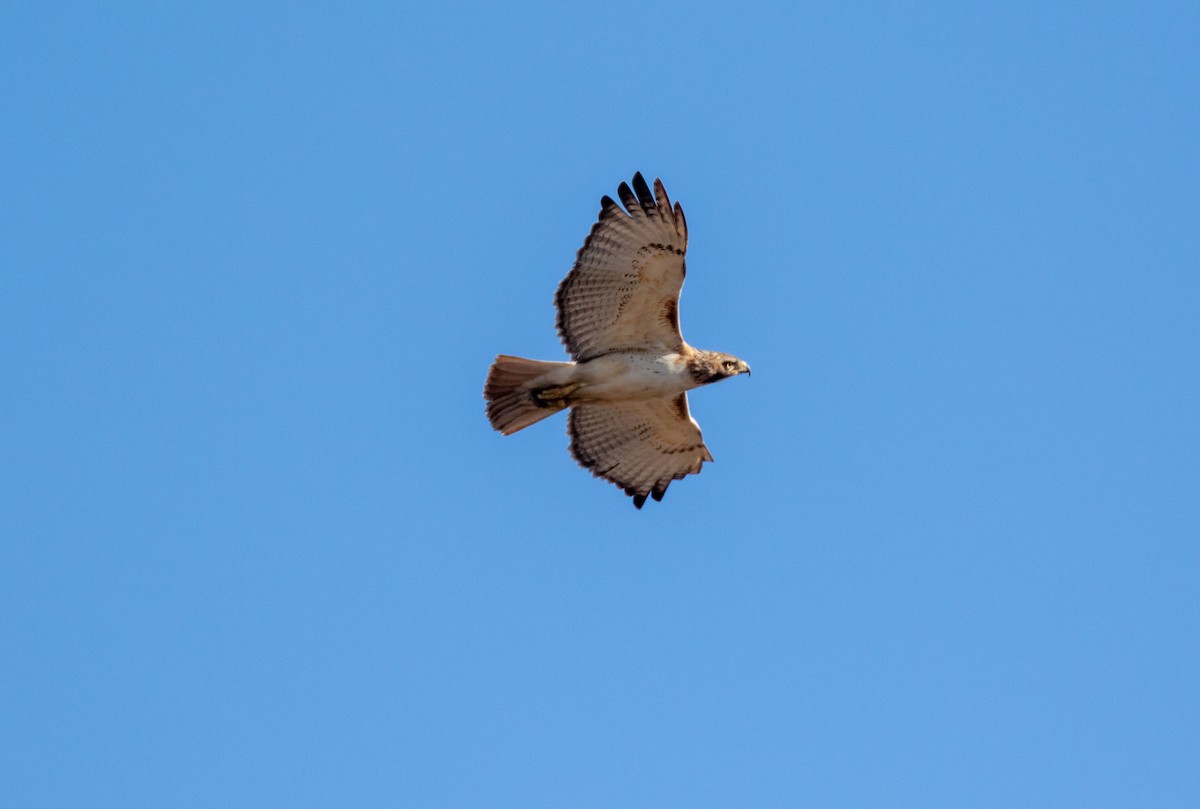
(728,365)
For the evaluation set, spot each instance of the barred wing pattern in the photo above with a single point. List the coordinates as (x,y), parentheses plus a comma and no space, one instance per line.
(641,445)
(623,291)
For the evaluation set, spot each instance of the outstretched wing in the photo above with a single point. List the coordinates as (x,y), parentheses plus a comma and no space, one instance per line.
(623,292)
(640,445)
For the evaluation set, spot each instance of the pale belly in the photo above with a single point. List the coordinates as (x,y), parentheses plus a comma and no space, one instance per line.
(633,375)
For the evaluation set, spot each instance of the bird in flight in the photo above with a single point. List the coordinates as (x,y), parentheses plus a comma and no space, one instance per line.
(626,388)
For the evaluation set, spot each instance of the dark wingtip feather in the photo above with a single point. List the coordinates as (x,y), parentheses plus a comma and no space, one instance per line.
(657,494)
(680,222)
(639,500)
(627,197)
(660,196)
(645,198)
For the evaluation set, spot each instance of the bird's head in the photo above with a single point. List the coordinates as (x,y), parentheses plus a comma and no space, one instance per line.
(713,366)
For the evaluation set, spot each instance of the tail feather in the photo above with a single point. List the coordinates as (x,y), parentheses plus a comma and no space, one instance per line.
(511,405)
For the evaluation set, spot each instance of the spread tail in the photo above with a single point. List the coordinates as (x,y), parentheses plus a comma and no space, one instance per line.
(511,403)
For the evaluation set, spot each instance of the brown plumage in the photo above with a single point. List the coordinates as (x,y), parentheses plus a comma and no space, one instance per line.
(618,316)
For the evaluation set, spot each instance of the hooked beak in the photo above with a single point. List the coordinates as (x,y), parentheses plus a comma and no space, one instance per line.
(745,367)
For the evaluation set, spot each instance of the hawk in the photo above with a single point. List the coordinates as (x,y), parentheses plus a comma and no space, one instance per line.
(618,316)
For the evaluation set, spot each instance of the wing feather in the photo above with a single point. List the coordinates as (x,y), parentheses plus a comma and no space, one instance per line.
(641,446)
(623,291)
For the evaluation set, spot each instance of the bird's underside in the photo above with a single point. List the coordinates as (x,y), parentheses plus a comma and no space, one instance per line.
(626,389)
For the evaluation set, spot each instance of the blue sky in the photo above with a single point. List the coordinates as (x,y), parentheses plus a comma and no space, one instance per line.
(262,549)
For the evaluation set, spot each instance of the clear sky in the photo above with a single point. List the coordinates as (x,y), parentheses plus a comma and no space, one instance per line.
(260,547)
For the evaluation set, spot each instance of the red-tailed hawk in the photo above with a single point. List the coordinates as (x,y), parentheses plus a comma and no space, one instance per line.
(618,316)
